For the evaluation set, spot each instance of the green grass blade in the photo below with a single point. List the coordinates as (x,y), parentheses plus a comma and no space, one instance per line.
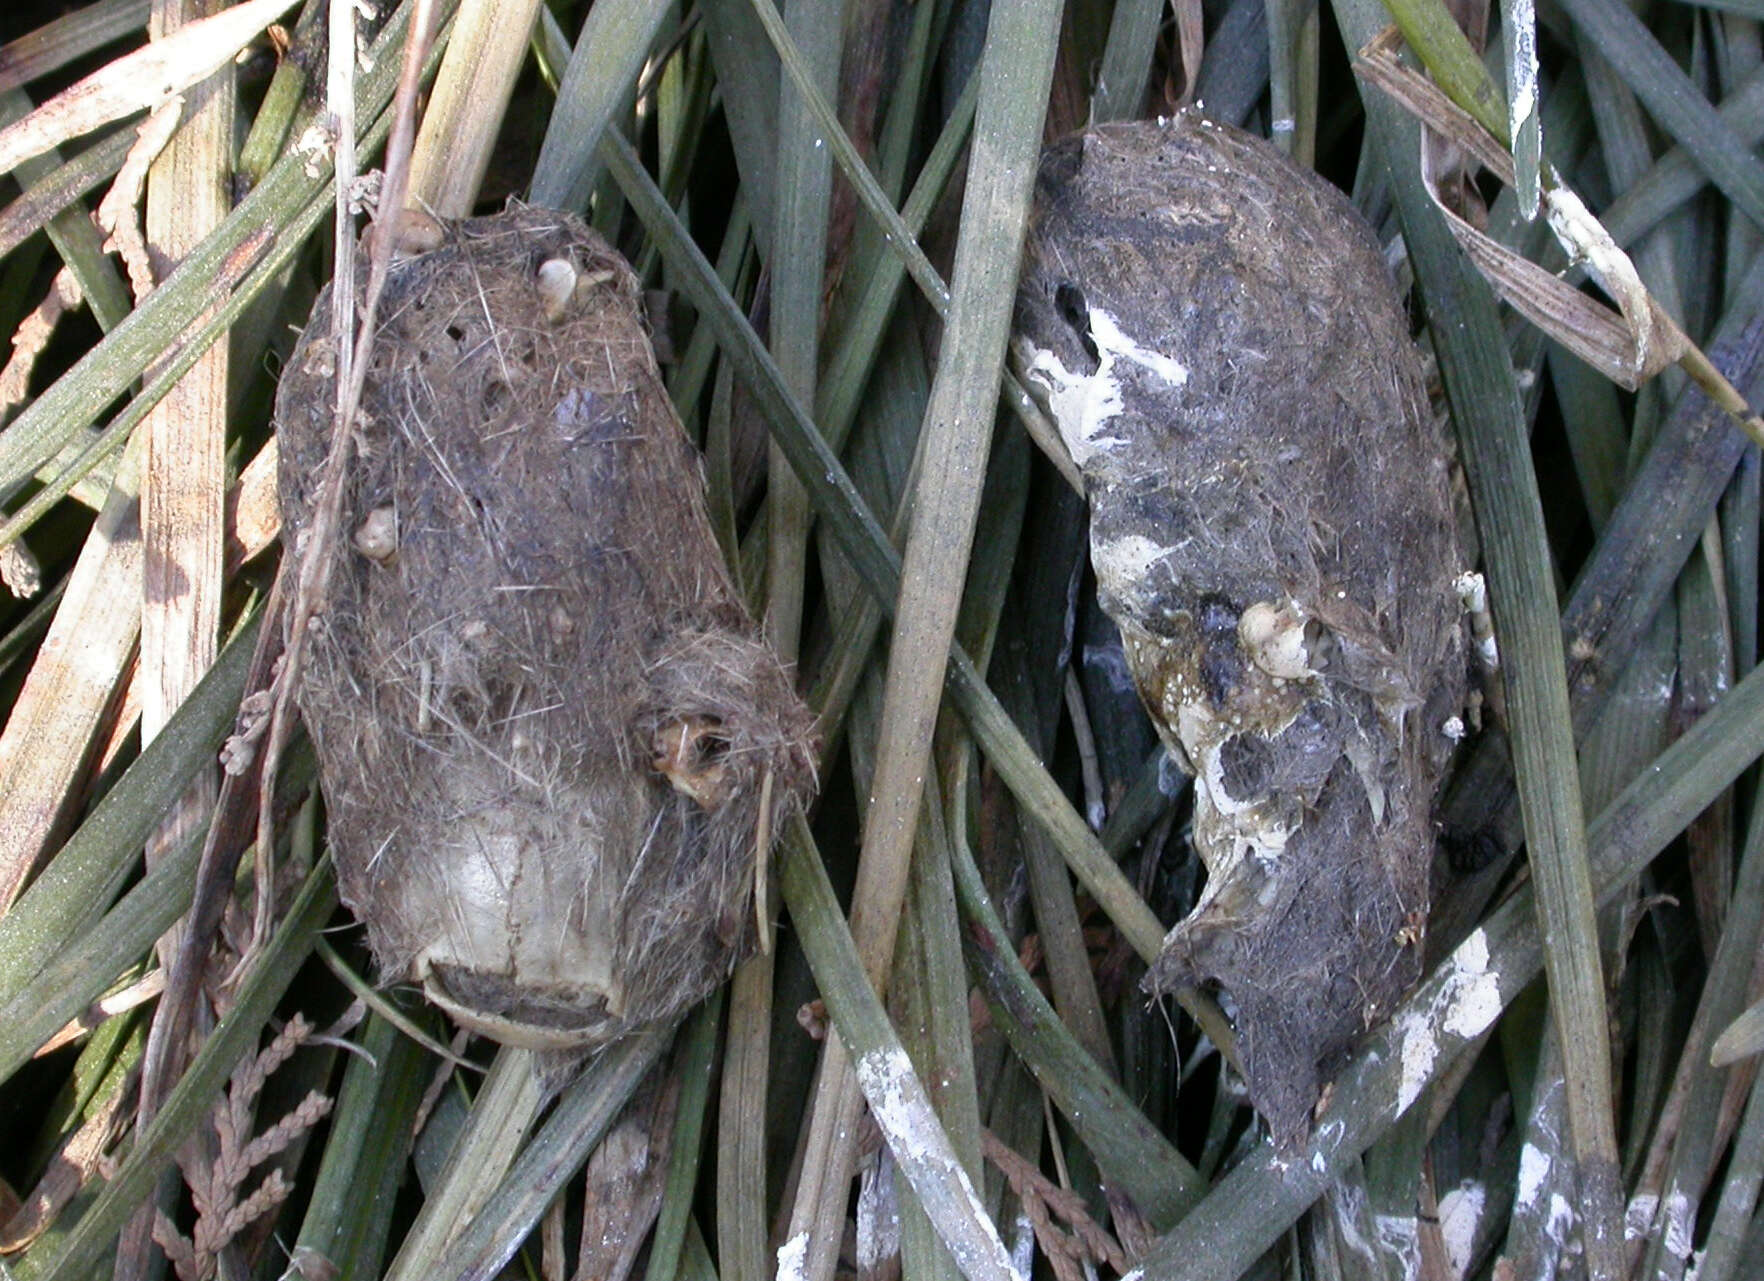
(1479,382)
(609,51)
(351,1208)
(489,1238)
(884,1073)
(1673,101)
(1127,58)
(501,1114)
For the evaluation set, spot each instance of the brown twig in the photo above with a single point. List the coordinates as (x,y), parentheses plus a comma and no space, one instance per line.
(315,562)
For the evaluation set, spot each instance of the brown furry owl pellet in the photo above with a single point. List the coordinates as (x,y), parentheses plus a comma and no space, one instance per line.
(1272,529)
(552,742)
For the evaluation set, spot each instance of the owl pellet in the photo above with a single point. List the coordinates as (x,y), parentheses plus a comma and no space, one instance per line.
(527,601)
(1217,337)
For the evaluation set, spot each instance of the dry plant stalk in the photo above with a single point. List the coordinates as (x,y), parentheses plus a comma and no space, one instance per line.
(623,1184)
(80,668)
(553,745)
(183,484)
(1272,529)
(80,1157)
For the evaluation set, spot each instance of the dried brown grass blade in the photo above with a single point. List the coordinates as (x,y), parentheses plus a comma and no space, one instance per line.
(183,487)
(184,481)
(50,734)
(184,475)
(622,1186)
(1191,42)
(1629,345)
(139,992)
(69,1170)
(253,519)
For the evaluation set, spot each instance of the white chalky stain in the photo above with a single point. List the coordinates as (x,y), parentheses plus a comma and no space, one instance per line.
(1460,1210)
(1419,1050)
(1638,1216)
(1466,1001)
(1560,1226)
(1112,342)
(1585,239)
(1323,1142)
(1082,405)
(1476,1000)
(1534,1168)
(1349,1203)
(1126,560)
(1400,1236)
(1680,1224)
(903,1114)
(1521,28)
(793,1258)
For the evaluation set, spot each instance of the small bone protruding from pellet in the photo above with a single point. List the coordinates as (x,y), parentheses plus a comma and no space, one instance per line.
(690,754)
(377,536)
(1274,637)
(557,287)
(419,232)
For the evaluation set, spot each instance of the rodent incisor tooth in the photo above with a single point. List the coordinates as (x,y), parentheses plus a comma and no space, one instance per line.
(1217,337)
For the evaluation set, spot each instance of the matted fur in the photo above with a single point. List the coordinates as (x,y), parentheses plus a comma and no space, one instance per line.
(546,726)
(1272,528)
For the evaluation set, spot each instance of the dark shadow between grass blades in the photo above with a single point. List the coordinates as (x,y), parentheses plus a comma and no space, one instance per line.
(552,741)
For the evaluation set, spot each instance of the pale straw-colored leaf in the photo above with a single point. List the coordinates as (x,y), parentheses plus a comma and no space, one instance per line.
(467,103)
(138,81)
(1741,1039)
